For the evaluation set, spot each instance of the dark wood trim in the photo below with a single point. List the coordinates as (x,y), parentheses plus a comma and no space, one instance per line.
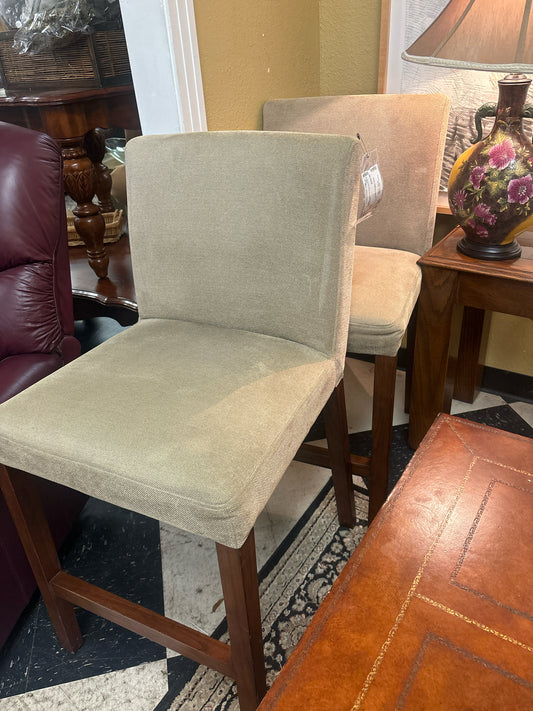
(23,500)
(160,629)
(59,97)
(319,457)
(409,352)
(86,308)
(238,573)
(435,306)
(468,372)
(339,453)
(382,416)
(113,297)
(242,659)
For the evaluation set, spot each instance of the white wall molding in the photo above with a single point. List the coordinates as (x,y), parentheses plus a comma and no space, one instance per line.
(165,65)
(396,46)
(181,26)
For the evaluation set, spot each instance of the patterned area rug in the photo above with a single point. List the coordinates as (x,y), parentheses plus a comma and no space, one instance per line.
(292,585)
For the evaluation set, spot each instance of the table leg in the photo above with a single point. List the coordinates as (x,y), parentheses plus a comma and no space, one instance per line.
(468,374)
(430,368)
(95,147)
(79,180)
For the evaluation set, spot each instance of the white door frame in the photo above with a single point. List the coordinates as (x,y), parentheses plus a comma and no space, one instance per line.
(165,65)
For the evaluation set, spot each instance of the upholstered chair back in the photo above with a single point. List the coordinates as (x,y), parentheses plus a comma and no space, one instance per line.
(36,319)
(233,203)
(405,217)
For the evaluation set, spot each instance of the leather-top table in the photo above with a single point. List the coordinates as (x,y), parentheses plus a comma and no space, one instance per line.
(74,118)
(434,610)
(450,278)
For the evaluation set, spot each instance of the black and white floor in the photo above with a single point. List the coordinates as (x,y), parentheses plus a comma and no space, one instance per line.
(176,574)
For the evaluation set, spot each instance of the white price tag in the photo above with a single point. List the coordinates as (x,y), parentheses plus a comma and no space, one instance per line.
(372,189)
(371,182)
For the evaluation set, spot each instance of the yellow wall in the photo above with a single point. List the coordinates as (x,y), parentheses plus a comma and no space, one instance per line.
(509,343)
(349,44)
(254,50)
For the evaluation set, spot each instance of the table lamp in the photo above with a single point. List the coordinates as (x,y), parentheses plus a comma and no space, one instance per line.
(490,189)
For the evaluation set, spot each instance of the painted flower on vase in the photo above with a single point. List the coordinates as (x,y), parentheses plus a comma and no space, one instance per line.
(520,190)
(483,213)
(460,198)
(479,229)
(502,154)
(477,176)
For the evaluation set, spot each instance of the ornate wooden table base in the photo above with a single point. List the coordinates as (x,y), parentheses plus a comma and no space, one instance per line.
(73,117)
(113,297)
(80,184)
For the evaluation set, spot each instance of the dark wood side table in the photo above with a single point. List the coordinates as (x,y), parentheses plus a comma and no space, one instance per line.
(434,609)
(113,297)
(73,117)
(450,278)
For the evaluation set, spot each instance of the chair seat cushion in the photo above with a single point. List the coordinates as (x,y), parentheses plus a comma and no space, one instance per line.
(385,287)
(195,423)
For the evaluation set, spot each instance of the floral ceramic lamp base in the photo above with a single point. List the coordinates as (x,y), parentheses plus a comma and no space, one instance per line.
(491,185)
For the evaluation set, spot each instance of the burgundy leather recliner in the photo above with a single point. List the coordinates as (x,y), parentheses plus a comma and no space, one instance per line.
(36,321)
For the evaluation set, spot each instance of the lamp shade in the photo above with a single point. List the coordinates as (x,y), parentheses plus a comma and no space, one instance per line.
(491,35)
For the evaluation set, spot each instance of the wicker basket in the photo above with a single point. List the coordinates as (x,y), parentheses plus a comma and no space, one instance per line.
(113,228)
(96,60)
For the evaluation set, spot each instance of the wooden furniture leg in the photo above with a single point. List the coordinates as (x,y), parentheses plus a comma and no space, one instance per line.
(339,455)
(79,179)
(410,357)
(469,372)
(238,573)
(242,659)
(95,147)
(382,416)
(22,498)
(336,456)
(430,367)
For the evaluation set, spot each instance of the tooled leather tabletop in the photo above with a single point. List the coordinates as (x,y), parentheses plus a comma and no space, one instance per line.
(435,608)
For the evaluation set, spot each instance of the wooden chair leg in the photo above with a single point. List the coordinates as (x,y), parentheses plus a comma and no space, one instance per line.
(238,572)
(339,455)
(410,356)
(22,498)
(382,415)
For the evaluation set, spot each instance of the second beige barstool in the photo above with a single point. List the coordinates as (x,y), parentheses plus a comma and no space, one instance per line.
(409,134)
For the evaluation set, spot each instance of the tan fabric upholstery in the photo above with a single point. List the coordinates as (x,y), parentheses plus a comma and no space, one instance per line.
(242,248)
(409,133)
(277,271)
(386,284)
(190,424)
